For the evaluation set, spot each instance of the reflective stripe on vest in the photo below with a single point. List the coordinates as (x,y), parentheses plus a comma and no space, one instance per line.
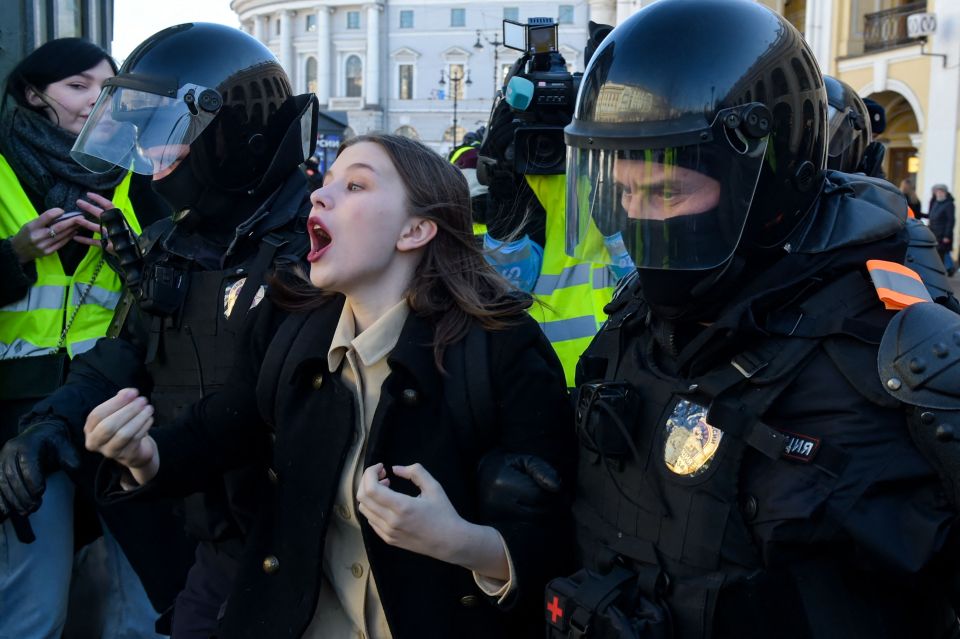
(573,293)
(32,326)
(460,151)
(897,285)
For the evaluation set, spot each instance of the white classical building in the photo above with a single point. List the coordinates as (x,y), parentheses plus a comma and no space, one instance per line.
(382,62)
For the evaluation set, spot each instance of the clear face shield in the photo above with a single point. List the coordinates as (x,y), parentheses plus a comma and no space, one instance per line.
(843,128)
(639,203)
(143,125)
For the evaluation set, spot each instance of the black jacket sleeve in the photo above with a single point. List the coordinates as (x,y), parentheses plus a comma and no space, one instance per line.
(535,416)
(95,376)
(949,215)
(220,432)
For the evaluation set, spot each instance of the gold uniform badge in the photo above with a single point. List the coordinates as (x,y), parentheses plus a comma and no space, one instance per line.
(690,442)
(232,292)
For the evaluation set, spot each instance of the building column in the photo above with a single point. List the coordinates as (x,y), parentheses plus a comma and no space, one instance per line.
(818,34)
(371,79)
(260,28)
(939,159)
(286,45)
(323,55)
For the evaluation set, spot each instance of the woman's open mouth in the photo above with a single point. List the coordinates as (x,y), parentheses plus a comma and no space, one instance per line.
(320,240)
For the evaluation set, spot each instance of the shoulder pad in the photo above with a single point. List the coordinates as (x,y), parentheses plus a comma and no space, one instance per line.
(919,357)
(922,257)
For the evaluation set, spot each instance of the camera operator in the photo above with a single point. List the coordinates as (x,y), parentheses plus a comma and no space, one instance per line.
(522,162)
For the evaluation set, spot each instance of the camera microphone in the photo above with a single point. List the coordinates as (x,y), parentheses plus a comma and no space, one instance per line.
(519,93)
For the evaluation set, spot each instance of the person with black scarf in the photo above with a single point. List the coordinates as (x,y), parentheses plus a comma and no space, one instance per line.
(207,114)
(57,296)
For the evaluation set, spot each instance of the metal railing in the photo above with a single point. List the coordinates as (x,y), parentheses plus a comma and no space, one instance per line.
(886,29)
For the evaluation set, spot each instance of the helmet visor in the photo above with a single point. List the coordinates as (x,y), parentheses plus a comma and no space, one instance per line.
(673,207)
(842,129)
(140,130)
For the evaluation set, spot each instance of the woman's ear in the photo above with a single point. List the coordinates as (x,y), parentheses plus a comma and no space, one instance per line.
(416,234)
(33,98)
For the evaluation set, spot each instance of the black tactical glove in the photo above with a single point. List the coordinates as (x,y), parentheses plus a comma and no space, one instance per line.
(27,459)
(516,485)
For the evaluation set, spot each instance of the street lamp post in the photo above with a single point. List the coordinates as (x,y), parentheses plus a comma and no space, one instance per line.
(455,89)
(496,44)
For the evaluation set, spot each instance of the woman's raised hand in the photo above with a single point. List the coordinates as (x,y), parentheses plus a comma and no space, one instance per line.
(43,235)
(118,429)
(428,524)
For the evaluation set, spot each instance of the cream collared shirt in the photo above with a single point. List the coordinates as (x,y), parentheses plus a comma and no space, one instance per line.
(349,604)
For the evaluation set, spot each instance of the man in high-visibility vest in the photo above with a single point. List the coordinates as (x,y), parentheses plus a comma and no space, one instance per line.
(525,242)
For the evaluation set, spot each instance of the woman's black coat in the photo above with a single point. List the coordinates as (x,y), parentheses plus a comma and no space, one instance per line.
(311,421)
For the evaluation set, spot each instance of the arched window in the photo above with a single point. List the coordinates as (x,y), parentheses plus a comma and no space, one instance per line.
(311,75)
(448,134)
(353,72)
(408,131)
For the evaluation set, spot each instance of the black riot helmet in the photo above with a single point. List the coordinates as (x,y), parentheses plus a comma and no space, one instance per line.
(699,134)
(210,88)
(848,126)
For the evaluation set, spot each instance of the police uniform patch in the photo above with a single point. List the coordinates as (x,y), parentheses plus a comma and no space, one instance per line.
(800,447)
(232,292)
(690,442)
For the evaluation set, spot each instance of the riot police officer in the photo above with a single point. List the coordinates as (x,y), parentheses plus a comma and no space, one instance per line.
(209,113)
(743,472)
(848,125)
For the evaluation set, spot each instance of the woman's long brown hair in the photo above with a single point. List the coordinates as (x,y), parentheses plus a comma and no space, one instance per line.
(453,284)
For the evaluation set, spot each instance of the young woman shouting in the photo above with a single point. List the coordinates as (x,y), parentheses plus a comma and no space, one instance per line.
(379,523)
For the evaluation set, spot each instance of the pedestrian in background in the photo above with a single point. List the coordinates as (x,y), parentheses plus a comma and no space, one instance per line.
(942,217)
(909,190)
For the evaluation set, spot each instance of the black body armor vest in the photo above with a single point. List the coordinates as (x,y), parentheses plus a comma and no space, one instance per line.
(195,313)
(663,459)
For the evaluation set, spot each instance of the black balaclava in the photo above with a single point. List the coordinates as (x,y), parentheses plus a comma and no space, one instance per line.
(201,208)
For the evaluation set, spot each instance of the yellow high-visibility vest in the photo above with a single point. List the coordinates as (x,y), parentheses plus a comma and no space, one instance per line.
(32,326)
(460,151)
(573,292)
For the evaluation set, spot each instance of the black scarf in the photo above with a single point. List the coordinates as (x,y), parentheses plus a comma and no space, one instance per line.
(39,154)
